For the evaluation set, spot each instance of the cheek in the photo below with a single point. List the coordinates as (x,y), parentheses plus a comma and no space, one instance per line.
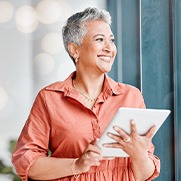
(115,50)
(90,48)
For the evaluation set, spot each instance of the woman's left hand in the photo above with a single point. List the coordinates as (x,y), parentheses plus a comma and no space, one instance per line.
(134,144)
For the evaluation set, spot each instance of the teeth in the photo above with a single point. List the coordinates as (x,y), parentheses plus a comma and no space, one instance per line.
(105,58)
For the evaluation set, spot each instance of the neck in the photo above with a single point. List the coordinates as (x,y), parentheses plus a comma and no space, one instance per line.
(89,86)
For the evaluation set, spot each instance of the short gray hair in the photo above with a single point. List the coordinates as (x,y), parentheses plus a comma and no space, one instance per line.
(75,29)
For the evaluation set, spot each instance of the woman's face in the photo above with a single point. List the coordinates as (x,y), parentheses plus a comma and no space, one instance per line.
(97,51)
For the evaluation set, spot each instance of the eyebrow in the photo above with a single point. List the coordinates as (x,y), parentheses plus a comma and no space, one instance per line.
(102,35)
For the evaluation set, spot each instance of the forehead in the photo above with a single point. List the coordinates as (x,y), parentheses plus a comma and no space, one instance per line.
(98,27)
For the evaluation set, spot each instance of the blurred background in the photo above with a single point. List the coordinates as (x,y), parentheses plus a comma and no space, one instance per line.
(148,40)
(32,56)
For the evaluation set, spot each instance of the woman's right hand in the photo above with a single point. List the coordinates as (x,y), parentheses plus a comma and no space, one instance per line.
(90,157)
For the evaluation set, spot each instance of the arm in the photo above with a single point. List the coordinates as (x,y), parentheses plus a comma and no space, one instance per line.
(47,168)
(142,167)
(151,169)
(33,141)
(144,164)
(30,155)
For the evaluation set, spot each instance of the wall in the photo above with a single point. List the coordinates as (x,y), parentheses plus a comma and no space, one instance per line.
(149,41)
(157,76)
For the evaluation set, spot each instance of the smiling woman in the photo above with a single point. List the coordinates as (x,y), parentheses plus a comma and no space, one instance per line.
(68,117)
(95,57)
(97,50)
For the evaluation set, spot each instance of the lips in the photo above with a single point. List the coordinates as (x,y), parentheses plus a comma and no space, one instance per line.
(105,58)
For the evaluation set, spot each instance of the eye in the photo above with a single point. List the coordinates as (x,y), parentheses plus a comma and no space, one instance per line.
(112,40)
(99,39)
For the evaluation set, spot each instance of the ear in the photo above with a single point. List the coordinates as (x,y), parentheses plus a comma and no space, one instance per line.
(72,48)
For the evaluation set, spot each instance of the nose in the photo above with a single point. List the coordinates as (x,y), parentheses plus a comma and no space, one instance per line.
(108,46)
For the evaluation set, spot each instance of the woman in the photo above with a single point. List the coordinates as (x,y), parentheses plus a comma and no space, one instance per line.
(68,117)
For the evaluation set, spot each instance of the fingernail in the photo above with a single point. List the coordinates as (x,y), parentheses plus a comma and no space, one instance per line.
(132,121)
(116,128)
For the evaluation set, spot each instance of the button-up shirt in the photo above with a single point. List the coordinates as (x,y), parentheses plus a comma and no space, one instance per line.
(60,122)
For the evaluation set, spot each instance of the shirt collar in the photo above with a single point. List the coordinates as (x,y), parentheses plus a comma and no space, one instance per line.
(115,87)
(61,86)
(110,86)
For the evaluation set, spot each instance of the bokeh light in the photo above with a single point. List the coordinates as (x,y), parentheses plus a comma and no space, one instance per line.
(6,11)
(26,19)
(44,63)
(3,98)
(6,104)
(48,11)
(52,43)
(66,10)
(65,69)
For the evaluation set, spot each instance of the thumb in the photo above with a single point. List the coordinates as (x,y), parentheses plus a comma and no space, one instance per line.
(151,132)
(95,141)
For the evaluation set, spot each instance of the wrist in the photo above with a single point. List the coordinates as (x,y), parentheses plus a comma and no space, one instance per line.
(74,169)
(140,157)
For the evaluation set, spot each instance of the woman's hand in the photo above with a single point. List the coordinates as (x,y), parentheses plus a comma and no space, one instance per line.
(134,144)
(90,157)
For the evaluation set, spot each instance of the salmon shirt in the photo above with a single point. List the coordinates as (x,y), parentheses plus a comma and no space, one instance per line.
(59,122)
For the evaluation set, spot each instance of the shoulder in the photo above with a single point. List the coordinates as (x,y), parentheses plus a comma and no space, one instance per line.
(55,86)
(47,91)
(129,88)
(132,95)
(59,85)
(122,88)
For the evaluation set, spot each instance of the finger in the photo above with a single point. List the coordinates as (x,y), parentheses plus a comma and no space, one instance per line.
(92,151)
(133,127)
(92,155)
(113,145)
(87,155)
(93,147)
(115,137)
(125,137)
(94,142)
(121,133)
(91,159)
(151,132)
(118,139)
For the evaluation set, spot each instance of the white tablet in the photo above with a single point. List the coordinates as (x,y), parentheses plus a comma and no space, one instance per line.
(144,120)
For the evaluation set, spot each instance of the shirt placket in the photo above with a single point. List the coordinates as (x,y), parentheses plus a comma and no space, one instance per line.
(95,123)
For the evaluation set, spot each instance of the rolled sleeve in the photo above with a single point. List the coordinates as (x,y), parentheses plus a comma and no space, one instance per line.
(33,140)
(156,162)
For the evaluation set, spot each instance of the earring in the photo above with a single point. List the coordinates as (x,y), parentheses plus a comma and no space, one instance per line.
(76,60)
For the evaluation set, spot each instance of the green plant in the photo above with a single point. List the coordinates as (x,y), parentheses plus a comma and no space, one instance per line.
(4,169)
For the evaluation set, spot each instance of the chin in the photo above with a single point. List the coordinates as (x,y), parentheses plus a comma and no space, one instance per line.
(106,70)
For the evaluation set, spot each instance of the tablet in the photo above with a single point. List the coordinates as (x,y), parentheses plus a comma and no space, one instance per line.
(144,120)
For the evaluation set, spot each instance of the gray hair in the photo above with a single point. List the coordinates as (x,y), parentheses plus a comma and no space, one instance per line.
(75,29)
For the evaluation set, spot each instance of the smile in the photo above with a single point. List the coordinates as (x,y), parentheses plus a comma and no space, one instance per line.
(105,58)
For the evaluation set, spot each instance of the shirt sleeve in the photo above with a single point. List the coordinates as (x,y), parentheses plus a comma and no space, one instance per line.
(140,99)
(34,139)
(156,162)
(153,157)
